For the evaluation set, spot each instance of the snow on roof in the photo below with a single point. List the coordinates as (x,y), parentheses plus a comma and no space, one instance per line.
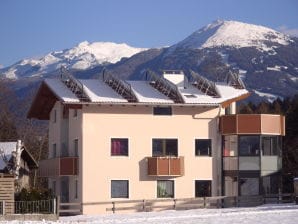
(7,148)
(229,92)
(147,94)
(192,95)
(98,91)
(61,91)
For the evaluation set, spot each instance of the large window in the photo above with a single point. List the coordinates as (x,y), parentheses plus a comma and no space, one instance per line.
(119,189)
(230,145)
(203,188)
(119,147)
(271,145)
(164,147)
(203,147)
(249,145)
(165,188)
(162,111)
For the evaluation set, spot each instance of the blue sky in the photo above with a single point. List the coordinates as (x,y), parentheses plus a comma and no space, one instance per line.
(33,28)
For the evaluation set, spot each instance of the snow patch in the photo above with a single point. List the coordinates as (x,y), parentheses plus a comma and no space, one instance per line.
(270,97)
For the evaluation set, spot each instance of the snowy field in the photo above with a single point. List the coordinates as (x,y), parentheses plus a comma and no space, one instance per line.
(266,214)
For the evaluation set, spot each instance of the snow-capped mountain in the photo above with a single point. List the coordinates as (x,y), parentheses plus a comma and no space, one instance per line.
(83,56)
(267,60)
(234,34)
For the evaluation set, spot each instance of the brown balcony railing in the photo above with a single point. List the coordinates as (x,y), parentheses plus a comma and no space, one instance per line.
(165,166)
(63,166)
(252,124)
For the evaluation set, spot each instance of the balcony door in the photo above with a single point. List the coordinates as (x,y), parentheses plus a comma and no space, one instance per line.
(64,189)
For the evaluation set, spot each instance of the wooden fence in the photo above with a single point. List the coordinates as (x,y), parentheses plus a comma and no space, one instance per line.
(177,203)
(6,194)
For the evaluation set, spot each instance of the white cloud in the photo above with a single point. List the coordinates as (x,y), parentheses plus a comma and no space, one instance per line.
(286,30)
(1,66)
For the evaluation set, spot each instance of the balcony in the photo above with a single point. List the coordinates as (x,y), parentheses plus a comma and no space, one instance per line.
(267,124)
(63,166)
(165,166)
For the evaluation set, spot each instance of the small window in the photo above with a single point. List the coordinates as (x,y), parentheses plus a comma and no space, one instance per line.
(203,188)
(119,189)
(119,147)
(54,150)
(203,147)
(75,112)
(76,147)
(165,189)
(55,116)
(190,96)
(164,147)
(54,187)
(76,189)
(162,110)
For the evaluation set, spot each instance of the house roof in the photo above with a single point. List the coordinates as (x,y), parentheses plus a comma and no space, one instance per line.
(111,90)
(8,148)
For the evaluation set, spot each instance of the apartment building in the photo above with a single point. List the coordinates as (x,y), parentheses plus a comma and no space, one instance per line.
(162,137)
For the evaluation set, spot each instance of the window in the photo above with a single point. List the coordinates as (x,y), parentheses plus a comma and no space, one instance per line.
(164,147)
(54,187)
(76,147)
(230,145)
(76,189)
(162,110)
(270,184)
(54,150)
(249,186)
(55,116)
(203,188)
(119,189)
(271,145)
(119,147)
(203,147)
(249,145)
(75,112)
(165,188)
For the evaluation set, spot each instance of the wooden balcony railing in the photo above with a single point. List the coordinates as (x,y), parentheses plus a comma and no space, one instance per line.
(165,166)
(271,124)
(63,166)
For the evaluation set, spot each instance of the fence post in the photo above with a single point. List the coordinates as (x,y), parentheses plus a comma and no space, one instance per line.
(174,206)
(113,208)
(204,203)
(58,205)
(144,205)
(3,207)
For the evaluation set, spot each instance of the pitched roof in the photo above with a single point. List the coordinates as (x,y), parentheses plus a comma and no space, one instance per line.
(8,148)
(112,90)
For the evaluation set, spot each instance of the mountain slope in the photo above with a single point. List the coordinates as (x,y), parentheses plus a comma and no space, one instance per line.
(83,56)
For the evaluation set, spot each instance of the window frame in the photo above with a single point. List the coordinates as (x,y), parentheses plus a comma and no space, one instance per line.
(209,150)
(162,111)
(119,139)
(127,189)
(167,195)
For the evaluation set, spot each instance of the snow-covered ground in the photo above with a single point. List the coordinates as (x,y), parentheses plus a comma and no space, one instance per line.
(266,214)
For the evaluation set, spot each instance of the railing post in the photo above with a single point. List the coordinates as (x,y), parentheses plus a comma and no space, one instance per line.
(204,203)
(174,206)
